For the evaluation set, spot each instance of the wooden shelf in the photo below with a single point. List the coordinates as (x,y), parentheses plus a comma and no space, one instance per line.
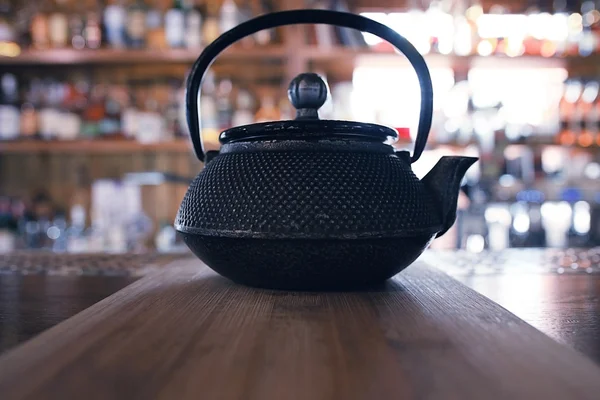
(94,147)
(130,56)
(278,52)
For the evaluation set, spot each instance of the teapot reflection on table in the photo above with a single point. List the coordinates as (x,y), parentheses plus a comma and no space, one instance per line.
(311,204)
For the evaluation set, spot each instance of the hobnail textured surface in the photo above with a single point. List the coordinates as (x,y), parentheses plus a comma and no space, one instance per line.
(269,194)
(304,264)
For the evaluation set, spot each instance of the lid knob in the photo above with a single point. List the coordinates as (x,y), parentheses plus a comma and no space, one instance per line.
(308,93)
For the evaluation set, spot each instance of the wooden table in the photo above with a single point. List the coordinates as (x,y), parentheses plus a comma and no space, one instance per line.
(31,304)
(187,333)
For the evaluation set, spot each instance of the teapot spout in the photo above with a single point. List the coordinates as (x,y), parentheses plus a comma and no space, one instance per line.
(443,182)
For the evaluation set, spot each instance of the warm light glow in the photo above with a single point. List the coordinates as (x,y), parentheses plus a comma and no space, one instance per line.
(581,217)
(575,23)
(521,220)
(548,49)
(9,49)
(371,104)
(502,25)
(475,243)
(498,214)
(592,171)
(474,12)
(514,46)
(567,138)
(485,48)
(586,139)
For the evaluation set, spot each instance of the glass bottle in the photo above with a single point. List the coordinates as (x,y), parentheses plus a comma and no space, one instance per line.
(114,23)
(268,110)
(49,114)
(228,16)
(175,25)
(156,37)
(29,108)
(151,124)
(265,37)
(93,33)
(7,30)
(110,124)
(588,111)
(77,29)
(210,28)
(224,107)
(243,114)
(9,110)
(39,28)
(172,114)
(569,113)
(94,111)
(58,24)
(193,27)
(136,24)
(209,112)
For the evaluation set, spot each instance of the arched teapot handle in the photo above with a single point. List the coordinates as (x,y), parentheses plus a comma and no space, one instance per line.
(282,18)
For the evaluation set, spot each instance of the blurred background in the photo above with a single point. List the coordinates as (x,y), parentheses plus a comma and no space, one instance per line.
(94,153)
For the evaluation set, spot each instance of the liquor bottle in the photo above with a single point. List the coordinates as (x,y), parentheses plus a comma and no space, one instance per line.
(70,120)
(224,107)
(50,118)
(325,34)
(172,112)
(208,108)
(587,42)
(285,108)
(151,124)
(9,111)
(228,16)
(77,30)
(39,28)
(7,32)
(93,32)
(265,37)
(94,112)
(29,117)
(594,16)
(58,25)
(267,111)
(110,124)
(210,28)
(129,115)
(595,118)
(243,114)
(463,44)
(156,36)
(588,113)
(114,23)
(193,27)
(136,24)
(175,25)
(569,122)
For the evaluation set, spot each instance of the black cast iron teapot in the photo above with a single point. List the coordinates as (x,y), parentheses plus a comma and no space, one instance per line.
(314,204)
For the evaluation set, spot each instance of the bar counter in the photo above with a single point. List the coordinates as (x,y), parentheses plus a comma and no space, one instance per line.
(423,333)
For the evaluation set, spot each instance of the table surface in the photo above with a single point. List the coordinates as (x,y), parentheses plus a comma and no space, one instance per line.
(37,291)
(185,331)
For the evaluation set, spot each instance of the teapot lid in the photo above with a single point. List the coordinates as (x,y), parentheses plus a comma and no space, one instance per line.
(307,93)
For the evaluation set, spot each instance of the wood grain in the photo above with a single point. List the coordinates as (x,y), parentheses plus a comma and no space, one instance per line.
(566,308)
(187,333)
(30,304)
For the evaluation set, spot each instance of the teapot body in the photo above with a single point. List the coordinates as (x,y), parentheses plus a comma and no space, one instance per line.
(308,214)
